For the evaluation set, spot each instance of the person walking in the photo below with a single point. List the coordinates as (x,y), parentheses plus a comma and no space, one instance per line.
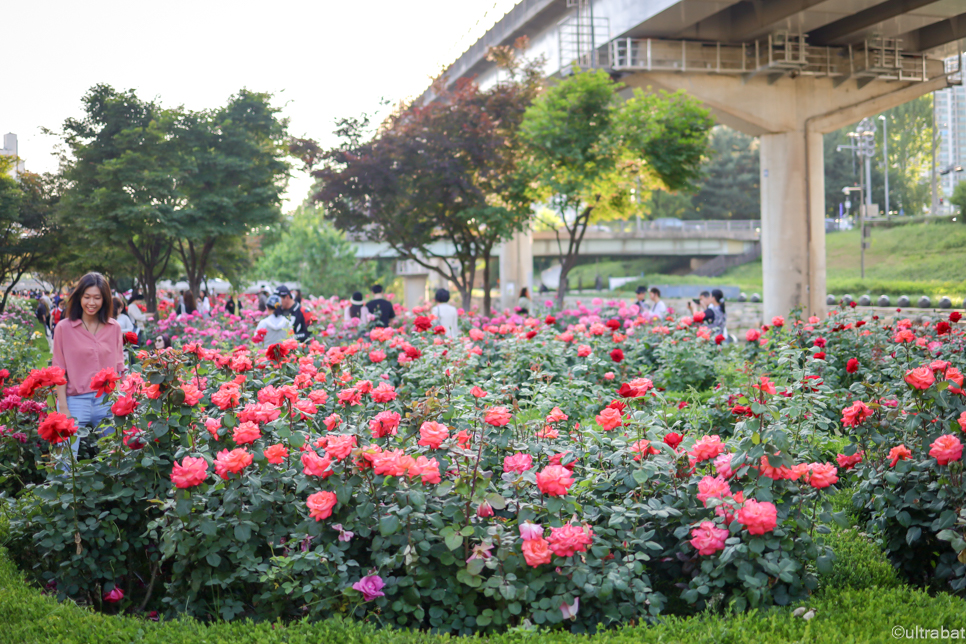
(120,314)
(187,305)
(232,305)
(446,314)
(205,304)
(275,324)
(262,299)
(658,308)
(356,311)
(134,310)
(523,303)
(88,340)
(380,308)
(294,309)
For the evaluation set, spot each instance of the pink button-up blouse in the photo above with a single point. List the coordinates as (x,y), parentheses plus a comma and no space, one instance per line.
(81,355)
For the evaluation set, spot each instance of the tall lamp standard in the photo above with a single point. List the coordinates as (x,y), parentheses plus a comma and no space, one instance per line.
(885,158)
(847,190)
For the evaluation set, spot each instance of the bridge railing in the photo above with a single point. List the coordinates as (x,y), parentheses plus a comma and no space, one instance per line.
(692,225)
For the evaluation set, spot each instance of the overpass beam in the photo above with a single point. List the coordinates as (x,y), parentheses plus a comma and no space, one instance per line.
(516,270)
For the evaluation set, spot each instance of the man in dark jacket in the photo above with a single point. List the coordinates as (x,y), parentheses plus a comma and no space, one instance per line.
(294,309)
(380,308)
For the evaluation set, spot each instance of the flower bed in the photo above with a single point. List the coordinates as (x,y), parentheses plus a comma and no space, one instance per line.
(532,472)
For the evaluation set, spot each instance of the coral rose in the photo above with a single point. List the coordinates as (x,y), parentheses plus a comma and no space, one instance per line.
(246,433)
(712,487)
(383,393)
(707,447)
(946,449)
(759,518)
(339,446)
(708,539)
(609,419)
(517,463)
(899,453)
(275,454)
(554,480)
(315,465)
(822,475)
(848,462)
(497,416)
(570,539)
(104,382)
(384,424)
(556,415)
(232,462)
(124,406)
(191,472)
(583,350)
(432,434)
(920,378)
(321,504)
(536,551)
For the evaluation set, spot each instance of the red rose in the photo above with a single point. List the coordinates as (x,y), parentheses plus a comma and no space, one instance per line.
(531,335)
(616,355)
(673,440)
(422,323)
(852,365)
(613,324)
(819,356)
(699,317)
(131,337)
(439,330)
(550,320)
(124,406)
(718,339)
(942,327)
(955,316)
(57,428)
(276,352)
(104,382)
(626,391)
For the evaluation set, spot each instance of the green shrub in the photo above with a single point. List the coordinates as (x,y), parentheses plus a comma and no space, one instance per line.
(868,615)
(859,563)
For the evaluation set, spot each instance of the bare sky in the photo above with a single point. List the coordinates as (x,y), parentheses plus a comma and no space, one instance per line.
(321,59)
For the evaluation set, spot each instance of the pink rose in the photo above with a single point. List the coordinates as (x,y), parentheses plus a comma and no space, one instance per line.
(554,480)
(712,487)
(920,378)
(432,434)
(759,518)
(320,505)
(708,539)
(946,449)
(497,416)
(191,472)
(517,463)
(570,539)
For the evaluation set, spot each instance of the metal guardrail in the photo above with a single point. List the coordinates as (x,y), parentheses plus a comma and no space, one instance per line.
(684,225)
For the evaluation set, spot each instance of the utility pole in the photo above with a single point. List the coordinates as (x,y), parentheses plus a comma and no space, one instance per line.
(934,205)
(885,158)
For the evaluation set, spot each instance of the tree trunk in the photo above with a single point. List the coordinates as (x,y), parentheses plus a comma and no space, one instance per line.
(569,260)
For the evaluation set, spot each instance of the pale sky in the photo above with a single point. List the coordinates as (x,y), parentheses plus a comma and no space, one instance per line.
(322,59)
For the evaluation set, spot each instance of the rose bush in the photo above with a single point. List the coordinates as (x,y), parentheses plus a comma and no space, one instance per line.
(502,477)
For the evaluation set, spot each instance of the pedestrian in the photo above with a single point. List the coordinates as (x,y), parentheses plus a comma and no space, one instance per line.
(294,309)
(87,341)
(187,305)
(446,314)
(262,298)
(658,308)
(276,325)
(120,314)
(134,310)
(356,311)
(523,303)
(205,304)
(380,308)
(162,342)
(42,313)
(60,304)
(297,295)
(232,305)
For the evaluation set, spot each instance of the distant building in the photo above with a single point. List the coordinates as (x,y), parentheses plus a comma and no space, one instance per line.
(949,107)
(10,149)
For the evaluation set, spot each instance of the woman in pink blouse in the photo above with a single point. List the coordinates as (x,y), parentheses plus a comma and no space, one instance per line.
(88,340)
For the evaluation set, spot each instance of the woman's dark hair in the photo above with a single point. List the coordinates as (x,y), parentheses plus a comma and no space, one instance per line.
(377,288)
(119,306)
(718,295)
(442,295)
(164,338)
(523,292)
(76,311)
(135,296)
(355,310)
(189,302)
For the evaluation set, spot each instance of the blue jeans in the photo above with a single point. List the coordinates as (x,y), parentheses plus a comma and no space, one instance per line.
(88,410)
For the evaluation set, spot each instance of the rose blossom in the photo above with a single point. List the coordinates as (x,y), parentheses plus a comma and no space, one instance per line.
(852,416)
(275,454)
(320,505)
(609,419)
(383,393)
(920,378)
(191,472)
(370,587)
(536,551)
(57,428)
(315,465)
(339,446)
(708,539)
(246,433)
(432,434)
(497,416)
(822,475)
(759,518)
(570,539)
(554,480)
(530,531)
(707,448)
(946,449)
(124,406)
(232,462)
(848,462)
(899,453)
(712,487)
(517,463)
(384,424)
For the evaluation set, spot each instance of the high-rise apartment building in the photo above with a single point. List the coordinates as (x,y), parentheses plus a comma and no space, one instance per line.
(10,149)
(949,107)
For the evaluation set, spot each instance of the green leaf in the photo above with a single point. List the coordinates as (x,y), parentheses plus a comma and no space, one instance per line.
(213,559)
(388,525)
(641,476)
(453,541)
(243,533)
(824,564)
(913,534)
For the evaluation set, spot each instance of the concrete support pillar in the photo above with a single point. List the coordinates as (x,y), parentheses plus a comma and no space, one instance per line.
(414,290)
(516,268)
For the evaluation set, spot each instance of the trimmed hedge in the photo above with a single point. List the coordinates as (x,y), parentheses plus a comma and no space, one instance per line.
(850,615)
(859,563)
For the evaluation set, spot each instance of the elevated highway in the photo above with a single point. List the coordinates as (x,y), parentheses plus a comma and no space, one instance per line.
(787,71)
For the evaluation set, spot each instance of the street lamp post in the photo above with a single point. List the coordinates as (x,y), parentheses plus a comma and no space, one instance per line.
(885,158)
(847,190)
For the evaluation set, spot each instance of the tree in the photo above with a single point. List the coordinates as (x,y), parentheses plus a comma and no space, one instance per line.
(588,150)
(440,183)
(311,251)
(123,178)
(231,177)
(730,185)
(29,238)
(959,200)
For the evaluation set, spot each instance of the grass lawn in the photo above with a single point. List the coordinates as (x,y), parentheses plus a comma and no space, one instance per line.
(914,260)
